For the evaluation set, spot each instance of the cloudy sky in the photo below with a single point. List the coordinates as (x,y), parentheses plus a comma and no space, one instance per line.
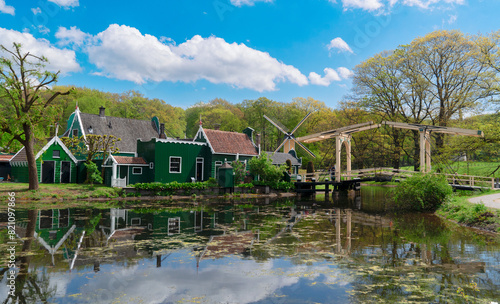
(195,50)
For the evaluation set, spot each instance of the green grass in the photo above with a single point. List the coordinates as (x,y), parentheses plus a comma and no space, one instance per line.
(57,191)
(475,168)
(462,211)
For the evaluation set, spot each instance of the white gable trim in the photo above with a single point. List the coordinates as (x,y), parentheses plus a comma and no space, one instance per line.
(77,111)
(206,138)
(58,141)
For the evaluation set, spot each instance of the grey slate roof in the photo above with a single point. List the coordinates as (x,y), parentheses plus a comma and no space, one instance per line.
(129,130)
(279,158)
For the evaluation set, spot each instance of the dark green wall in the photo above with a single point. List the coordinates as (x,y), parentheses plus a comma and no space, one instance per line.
(188,152)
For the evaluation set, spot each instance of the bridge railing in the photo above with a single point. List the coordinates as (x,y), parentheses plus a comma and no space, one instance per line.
(456,179)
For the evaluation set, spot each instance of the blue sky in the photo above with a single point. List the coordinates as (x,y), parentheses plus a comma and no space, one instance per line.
(189,51)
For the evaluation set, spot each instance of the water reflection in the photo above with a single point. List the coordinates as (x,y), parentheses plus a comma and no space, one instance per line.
(283,251)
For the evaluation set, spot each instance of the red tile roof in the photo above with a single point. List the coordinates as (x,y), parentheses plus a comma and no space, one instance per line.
(230,142)
(127,160)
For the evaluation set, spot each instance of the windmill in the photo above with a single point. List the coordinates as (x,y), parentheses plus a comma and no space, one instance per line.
(289,140)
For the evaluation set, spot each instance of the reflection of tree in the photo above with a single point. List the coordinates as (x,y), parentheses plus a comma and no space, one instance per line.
(30,286)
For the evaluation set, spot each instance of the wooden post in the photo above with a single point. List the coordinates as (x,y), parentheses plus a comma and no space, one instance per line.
(338,150)
(428,151)
(348,154)
(422,151)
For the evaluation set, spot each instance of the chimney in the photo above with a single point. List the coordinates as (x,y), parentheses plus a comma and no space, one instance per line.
(257,139)
(101,111)
(216,126)
(162,131)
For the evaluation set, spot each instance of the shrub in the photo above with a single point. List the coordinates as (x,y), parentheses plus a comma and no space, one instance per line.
(239,171)
(422,192)
(93,174)
(263,167)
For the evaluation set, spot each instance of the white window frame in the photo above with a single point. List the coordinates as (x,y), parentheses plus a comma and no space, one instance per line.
(53,156)
(170,164)
(217,164)
(200,160)
(176,225)
(133,169)
(151,165)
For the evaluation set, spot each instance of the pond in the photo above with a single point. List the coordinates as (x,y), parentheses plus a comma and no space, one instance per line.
(345,249)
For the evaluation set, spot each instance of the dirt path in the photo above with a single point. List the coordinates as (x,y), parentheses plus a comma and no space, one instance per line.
(490,200)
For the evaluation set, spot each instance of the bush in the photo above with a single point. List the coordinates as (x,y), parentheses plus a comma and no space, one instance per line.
(263,167)
(239,172)
(93,174)
(422,192)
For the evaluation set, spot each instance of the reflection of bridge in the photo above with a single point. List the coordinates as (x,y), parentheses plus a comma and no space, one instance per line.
(343,137)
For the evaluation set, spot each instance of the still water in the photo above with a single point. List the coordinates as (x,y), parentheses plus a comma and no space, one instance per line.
(345,250)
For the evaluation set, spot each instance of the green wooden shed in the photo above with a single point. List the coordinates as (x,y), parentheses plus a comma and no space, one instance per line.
(55,164)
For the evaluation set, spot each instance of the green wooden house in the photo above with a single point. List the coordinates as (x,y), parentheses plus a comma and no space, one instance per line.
(188,160)
(227,146)
(55,164)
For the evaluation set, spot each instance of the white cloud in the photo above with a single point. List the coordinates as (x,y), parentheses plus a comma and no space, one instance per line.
(73,35)
(247,2)
(345,72)
(6,9)
(59,59)
(43,29)
(330,76)
(339,45)
(124,53)
(369,5)
(36,10)
(452,19)
(381,5)
(427,4)
(66,3)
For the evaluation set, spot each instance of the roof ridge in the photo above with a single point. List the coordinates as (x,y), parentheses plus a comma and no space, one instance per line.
(117,117)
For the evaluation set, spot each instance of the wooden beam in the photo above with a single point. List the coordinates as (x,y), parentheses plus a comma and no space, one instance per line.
(435,129)
(336,132)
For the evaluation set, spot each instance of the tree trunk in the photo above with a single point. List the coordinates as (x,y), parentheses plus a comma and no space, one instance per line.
(29,147)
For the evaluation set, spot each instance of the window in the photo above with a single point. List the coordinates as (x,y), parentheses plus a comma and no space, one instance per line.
(174,225)
(151,165)
(175,164)
(136,221)
(75,133)
(217,165)
(56,154)
(137,170)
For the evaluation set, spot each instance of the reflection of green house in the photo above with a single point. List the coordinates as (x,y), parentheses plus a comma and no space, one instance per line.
(55,230)
(55,164)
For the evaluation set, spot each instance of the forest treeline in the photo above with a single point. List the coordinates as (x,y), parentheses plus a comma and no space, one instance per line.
(445,78)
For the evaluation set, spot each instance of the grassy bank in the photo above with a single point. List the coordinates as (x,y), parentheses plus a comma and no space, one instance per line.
(56,192)
(460,210)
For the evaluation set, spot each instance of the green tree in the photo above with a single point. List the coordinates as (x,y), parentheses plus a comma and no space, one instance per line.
(262,166)
(25,100)
(92,147)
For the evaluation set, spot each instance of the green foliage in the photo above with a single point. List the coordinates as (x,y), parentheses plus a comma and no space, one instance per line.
(263,167)
(161,187)
(464,212)
(281,186)
(212,182)
(239,172)
(422,192)
(93,174)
